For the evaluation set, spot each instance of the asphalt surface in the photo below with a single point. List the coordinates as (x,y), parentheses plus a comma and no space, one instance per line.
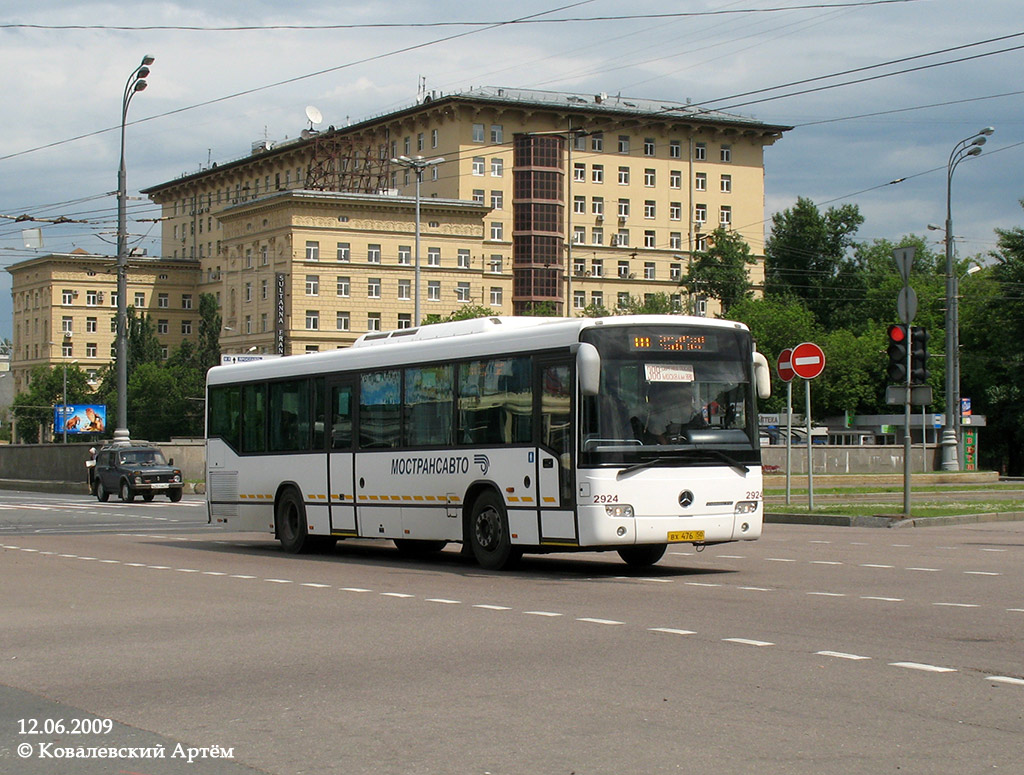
(813,650)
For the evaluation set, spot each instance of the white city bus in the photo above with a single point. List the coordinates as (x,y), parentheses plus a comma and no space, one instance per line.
(506,434)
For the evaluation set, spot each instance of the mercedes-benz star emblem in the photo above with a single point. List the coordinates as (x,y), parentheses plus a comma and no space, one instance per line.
(686,499)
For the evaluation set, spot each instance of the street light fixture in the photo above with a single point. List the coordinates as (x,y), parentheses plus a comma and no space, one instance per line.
(136,82)
(966,148)
(417,164)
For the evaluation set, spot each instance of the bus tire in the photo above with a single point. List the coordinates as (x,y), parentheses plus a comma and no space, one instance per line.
(290,523)
(489,535)
(643,555)
(412,547)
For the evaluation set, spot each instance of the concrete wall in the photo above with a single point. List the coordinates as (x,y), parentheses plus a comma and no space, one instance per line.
(66,462)
(827,459)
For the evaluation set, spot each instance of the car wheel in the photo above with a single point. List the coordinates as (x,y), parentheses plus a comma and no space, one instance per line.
(174,495)
(148,496)
(101,492)
(643,555)
(127,493)
(290,521)
(489,535)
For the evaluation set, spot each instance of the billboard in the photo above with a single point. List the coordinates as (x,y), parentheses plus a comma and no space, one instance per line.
(79,418)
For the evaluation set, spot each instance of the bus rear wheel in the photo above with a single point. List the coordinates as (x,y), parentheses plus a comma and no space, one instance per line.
(290,522)
(489,536)
(643,555)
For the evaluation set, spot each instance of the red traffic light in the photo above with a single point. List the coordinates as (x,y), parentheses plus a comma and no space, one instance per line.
(897,333)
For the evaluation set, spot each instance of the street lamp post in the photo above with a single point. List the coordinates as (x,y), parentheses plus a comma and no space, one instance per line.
(417,164)
(136,82)
(969,146)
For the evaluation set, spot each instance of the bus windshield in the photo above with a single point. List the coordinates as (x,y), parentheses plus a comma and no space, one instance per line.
(671,395)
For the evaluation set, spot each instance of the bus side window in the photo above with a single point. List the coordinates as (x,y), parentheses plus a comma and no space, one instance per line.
(254,404)
(429,402)
(380,409)
(224,411)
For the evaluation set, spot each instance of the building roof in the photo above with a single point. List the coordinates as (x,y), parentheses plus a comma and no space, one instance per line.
(593,105)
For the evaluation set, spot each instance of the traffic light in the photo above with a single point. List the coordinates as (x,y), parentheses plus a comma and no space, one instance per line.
(897,352)
(918,355)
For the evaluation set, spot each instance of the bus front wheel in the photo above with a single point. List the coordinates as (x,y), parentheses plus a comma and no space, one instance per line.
(290,521)
(643,555)
(489,536)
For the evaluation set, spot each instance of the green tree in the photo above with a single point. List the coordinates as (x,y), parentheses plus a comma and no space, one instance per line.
(651,304)
(807,258)
(33,409)
(721,271)
(467,312)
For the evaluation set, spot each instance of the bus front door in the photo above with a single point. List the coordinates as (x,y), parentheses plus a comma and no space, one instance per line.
(341,467)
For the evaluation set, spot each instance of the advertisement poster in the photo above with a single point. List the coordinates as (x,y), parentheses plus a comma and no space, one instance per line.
(79,418)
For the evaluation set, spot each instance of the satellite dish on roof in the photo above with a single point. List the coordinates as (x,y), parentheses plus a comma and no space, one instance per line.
(314,115)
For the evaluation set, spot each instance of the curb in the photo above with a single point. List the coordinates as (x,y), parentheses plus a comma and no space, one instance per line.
(881,520)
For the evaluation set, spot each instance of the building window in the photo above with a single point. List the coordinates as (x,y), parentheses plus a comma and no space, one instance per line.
(312,320)
(433,256)
(623,176)
(478,133)
(649,178)
(373,321)
(579,205)
(725,215)
(675,179)
(623,143)
(579,173)
(597,298)
(248,292)
(597,141)
(404,320)
(579,235)
(623,208)
(344,287)
(404,290)
(419,141)
(478,165)
(579,299)
(701,241)
(163,327)
(700,181)
(92,298)
(648,146)
(263,322)
(622,238)
(650,209)
(497,200)
(726,184)
(248,324)
(675,240)
(597,205)
(675,149)
(700,152)
(649,239)
(312,250)
(163,300)
(597,173)
(495,263)
(675,211)
(90,325)
(90,349)
(496,297)
(186,301)
(700,213)
(597,267)
(312,285)
(312,348)
(434,290)
(497,168)
(67,351)
(186,327)
(373,254)
(433,139)
(497,133)
(597,236)
(66,326)
(344,251)
(343,321)
(67,296)
(649,270)
(462,292)
(264,289)
(478,195)
(497,231)
(462,259)
(675,272)
(624,270)
(726,153)
(373,288)
(623,299)
(404,255)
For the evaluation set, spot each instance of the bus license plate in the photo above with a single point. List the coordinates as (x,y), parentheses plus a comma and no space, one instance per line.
(684,536)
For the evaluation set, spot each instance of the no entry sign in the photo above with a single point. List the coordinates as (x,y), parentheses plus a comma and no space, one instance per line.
(807,360)
(785,367)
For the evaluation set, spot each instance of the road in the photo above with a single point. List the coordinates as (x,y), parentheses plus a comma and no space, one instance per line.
(814,650)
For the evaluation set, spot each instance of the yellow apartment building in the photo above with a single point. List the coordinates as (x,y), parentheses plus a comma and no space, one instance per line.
(542,198)
(65,308)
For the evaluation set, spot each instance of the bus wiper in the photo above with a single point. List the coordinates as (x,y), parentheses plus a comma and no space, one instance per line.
(724,458)
(645,464)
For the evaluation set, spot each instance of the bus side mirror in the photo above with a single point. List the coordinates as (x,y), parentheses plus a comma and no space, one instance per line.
(588,369)
(762,376)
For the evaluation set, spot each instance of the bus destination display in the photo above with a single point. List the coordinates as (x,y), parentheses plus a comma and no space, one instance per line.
(691,343)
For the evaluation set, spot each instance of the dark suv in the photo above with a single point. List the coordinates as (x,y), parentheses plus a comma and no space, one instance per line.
(135,469)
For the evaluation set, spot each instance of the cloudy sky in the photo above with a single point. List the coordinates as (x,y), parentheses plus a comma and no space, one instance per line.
(886,90)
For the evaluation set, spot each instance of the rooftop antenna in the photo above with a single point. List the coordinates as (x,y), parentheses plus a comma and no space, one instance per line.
(314,115)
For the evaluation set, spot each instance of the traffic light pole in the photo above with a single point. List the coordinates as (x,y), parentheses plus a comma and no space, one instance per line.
(906,427)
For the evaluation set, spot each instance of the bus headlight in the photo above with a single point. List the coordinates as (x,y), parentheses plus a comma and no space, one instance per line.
(623,510)
(745,507)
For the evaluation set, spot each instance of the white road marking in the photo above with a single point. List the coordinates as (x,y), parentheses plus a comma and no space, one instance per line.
(278,581)
(828,594)
(732,556)
(701,584)
(840,655)
(883,599)
(315,586)
(757,589)
(1007,680)
(355,589)
(992,550)
(981,573)
(493,607)
(187,570)
(597,621)
(873,565)
(401,595)
(920,666)
(241,576)
(443,600)
(213,573)
(779,559)
(958,605)
(748,642)
(671,631)
(541,613)
(825,562)
(929,570)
